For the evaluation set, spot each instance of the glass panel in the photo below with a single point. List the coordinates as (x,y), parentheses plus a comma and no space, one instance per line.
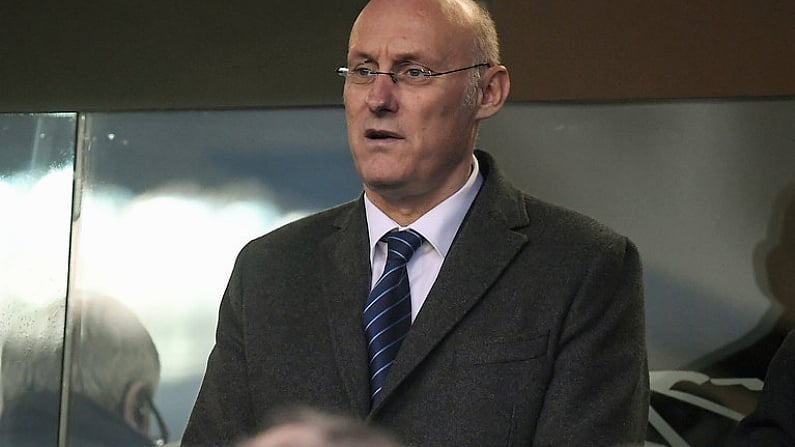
(702,187)
(168,200)
(36,171)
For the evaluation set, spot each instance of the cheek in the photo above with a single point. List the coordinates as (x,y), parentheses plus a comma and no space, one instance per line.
(433,120)
(351,99)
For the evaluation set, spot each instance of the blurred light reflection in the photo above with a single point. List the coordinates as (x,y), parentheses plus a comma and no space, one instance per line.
(167,254)
(34,236)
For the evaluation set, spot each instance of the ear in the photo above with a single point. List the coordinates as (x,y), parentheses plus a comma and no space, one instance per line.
(495,84)
(135,407)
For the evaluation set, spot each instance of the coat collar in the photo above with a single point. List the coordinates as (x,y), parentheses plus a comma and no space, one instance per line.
(346,282)
(485,244)
(464,278)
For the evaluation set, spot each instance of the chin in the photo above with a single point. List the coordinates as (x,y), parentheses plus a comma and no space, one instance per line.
(382,170)
(381,184)
(385,186)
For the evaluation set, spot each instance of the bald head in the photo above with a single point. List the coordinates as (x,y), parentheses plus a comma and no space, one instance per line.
(113,350)
(473,21)
(412,144)
(310,428)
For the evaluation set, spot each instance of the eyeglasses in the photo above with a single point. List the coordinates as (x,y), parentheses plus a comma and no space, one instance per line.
(408,74)
(162,439)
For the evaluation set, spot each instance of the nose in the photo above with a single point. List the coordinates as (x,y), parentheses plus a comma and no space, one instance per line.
(381,95)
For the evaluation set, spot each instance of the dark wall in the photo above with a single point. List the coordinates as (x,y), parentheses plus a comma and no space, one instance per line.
(118,54)
(627,49)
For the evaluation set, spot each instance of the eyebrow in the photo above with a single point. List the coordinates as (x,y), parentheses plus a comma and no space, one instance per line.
(401,58)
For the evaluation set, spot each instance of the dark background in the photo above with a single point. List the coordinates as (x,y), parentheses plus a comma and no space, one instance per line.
(180,54)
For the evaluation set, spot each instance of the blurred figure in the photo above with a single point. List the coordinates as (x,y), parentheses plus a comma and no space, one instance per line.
(703,408)
(115,371)
(309,428)
(775,270)
(771,423)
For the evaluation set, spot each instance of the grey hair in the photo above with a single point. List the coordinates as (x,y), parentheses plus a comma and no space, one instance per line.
(111,349)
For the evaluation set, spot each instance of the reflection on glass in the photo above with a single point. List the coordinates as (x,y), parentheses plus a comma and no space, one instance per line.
(169,199)
(36,158)
(115,372)
(31,376)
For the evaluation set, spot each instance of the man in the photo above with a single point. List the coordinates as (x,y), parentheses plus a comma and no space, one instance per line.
(115,371)
(526,319)
(309,428)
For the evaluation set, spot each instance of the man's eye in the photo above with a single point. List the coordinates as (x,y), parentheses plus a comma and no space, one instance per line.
(363,72)
(414,72)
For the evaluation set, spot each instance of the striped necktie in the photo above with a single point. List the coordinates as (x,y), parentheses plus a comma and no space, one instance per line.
(387,316)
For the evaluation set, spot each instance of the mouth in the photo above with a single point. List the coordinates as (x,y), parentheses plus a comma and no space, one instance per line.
(378,134)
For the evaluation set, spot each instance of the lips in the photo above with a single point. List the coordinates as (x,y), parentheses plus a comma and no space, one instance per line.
(379,134)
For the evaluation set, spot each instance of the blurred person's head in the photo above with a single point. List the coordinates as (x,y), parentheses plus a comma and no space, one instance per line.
(311,428)
(411,131)
(114,362)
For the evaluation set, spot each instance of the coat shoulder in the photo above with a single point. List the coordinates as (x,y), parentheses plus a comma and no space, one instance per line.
(308,230)
(566,227)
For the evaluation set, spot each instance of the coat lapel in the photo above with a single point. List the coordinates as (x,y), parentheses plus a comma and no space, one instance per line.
(346,282)
(484,246)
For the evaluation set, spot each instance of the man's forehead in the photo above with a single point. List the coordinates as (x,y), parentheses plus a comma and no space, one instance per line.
(402,34)
(392,53)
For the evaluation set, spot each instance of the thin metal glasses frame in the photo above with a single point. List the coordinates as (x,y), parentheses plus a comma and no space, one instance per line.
(366,76)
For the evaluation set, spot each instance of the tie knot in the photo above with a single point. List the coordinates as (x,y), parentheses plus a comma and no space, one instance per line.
(402,244)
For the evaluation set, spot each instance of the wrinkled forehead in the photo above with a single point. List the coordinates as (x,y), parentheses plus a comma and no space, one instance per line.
(410,28)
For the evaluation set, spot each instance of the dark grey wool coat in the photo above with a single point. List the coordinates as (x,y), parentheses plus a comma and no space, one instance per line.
(532,334)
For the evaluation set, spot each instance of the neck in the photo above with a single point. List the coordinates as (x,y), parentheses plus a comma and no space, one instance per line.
(403,213)
(404,208)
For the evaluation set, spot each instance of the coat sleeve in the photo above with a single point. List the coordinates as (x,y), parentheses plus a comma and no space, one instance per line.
(222,412)
(599,390)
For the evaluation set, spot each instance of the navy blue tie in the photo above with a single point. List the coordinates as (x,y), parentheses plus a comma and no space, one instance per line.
(387,316)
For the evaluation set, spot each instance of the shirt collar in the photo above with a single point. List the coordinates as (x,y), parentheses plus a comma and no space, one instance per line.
(439,225)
